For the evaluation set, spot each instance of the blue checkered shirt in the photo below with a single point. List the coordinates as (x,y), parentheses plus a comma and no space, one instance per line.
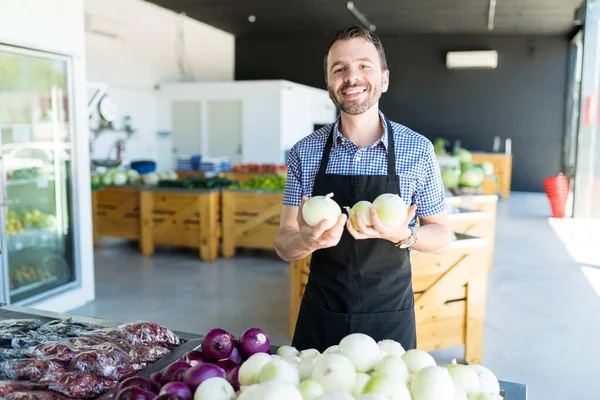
(416,165)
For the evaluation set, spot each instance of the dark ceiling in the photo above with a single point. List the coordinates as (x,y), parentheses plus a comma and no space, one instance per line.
(389,16)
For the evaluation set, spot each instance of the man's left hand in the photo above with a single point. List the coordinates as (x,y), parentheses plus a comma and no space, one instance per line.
(379,230)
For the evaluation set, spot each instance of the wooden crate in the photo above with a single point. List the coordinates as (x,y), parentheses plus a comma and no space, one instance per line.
(503,167)
(181,218)
(250,219)
(450,293)
(181,175)
(116,212)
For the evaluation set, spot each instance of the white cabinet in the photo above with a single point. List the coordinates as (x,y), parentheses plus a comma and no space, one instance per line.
(247,121)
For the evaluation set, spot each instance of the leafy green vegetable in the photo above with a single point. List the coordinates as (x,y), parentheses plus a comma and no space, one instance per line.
(267,182)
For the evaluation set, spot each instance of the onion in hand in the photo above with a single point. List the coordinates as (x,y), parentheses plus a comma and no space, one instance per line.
(319,208)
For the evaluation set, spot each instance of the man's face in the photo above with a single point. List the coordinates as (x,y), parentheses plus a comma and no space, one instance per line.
(355,80)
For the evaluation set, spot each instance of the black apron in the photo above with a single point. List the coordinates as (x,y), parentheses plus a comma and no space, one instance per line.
(358,286)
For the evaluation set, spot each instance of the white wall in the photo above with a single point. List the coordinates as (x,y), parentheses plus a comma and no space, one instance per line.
(275,115)
(58,26)
(132,45)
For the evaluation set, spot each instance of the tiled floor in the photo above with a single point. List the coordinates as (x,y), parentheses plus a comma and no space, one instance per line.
(542,322)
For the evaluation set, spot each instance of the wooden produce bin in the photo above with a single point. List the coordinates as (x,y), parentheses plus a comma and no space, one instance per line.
(450,294)
(116,212)
(181,218)
(181,175)
(250,219)
(503,167)
(245,176)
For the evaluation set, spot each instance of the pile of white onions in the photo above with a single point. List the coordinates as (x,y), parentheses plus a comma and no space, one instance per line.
(357,369)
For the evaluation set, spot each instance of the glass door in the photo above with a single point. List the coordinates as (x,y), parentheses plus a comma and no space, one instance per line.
(36,188)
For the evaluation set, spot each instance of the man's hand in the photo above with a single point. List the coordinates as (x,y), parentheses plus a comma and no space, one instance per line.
(379,230)
(319,237)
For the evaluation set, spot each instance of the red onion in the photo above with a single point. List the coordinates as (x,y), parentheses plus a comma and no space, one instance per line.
(236,355)
(226,364)
(175,371)
(135,393)
(232,378)
(254,340)
(217,344)
(156,379)
(194,358)
(198,374)
(137,381)
(177,388)
(168,396)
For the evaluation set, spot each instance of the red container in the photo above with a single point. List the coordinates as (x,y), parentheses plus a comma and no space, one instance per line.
(557,190)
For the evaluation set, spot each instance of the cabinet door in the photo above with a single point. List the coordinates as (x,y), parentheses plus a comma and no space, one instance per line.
(36,213)
(225,130)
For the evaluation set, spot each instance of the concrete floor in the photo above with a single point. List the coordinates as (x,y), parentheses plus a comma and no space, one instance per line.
(542,323)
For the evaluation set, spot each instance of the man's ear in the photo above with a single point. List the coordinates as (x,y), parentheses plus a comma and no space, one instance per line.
(385,81)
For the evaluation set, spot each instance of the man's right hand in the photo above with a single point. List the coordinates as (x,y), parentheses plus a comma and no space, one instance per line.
(320,237)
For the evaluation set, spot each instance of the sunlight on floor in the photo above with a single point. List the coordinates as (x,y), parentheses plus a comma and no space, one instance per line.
(581,238)
(593,277)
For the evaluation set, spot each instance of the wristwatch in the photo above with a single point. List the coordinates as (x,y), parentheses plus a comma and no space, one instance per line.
(409,241)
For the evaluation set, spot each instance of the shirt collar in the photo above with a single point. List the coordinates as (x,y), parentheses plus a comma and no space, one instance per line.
(338,137)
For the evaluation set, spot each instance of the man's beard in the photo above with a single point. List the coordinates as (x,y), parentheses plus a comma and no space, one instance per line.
(355,107)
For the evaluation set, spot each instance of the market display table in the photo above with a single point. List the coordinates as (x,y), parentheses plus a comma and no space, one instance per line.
(510,390)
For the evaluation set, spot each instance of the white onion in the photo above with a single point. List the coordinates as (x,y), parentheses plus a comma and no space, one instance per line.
(389,346)
(416,360)
(459,393)
(310,389)
(335,372)
(464,377)
(432,383)
(361,381)
(394,367)
(318,208)
(391,209)
(361,349)
(336,396)
(294,360)
(484,396)
(371,396)
(250,369)
(280,370)
(488,383)
(332,349)
(306,366)
(287,351)
(308,352)
(215,388)
(272,390)
(389,386)
(364,207)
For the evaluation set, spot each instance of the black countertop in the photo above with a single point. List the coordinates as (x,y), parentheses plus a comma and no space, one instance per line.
(512,390)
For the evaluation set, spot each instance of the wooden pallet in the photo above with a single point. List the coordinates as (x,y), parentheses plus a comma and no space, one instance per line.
(450,293)
(181,218)
(116,212)
(250,220)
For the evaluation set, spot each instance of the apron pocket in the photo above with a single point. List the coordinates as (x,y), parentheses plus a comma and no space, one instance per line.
(318,328)
(395,325)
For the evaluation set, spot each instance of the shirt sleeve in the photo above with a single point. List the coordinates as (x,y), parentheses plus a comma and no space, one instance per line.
(292,195)
(430,196)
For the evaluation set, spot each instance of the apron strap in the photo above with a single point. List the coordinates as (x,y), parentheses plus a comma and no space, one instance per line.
(390,148)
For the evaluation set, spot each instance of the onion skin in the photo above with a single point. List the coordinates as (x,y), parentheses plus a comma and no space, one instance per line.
(175,372)
(254,340)
(177,388)
(194,358)
(156,379)
(236,354)
(198,374)
(137,381)
(217,344)
(135,393)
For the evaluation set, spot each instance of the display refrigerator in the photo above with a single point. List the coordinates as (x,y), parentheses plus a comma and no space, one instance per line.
(39,241)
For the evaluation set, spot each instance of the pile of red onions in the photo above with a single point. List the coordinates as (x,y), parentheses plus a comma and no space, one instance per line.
(220,355)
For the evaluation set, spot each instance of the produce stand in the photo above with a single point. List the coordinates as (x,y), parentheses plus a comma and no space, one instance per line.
(502,166)
(509,390)
(245,176)
(116,212)
(181,217)
(250,219)
(189,174)
(450,291)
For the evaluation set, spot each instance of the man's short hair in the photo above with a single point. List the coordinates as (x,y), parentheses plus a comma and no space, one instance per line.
(354,31)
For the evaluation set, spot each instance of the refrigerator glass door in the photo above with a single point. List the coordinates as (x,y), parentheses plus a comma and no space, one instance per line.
(38,246)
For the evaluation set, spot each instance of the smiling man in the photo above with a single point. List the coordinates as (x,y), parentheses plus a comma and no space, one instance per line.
(360,279)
